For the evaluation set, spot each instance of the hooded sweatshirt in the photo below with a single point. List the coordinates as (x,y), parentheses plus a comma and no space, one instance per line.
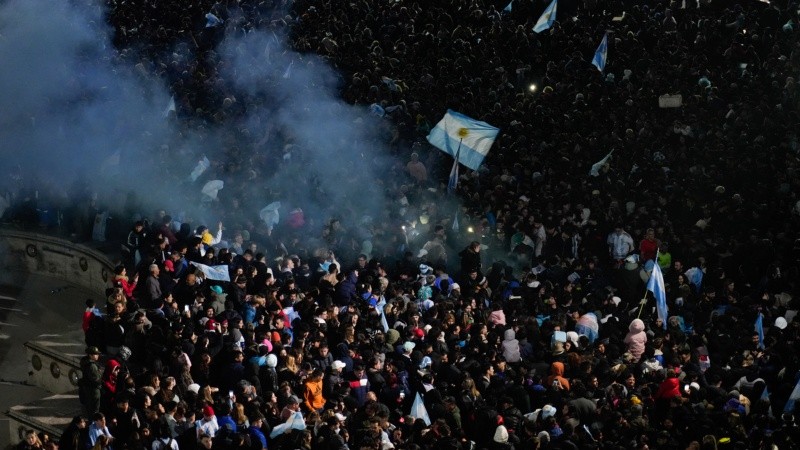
(511,347)
(110,375)
(557,374)
(636,338)
(313,395)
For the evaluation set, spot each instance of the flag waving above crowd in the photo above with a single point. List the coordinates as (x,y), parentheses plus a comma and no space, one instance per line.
(601,54)
(469,138)
(547,18)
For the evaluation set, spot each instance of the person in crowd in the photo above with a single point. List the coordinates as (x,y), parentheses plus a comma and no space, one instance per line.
(511,357)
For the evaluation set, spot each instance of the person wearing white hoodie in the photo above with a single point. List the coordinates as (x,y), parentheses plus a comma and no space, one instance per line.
(511,347)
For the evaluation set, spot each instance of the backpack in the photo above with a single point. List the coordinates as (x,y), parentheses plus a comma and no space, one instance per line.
(164,445)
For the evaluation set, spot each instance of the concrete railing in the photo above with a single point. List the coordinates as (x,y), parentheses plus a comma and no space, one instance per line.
(53,366)
(26,253)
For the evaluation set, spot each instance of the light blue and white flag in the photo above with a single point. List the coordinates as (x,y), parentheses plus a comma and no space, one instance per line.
(456,131)
(288,72)
(418,410)
(456,227)
(294,422)
(390,83)
(656,286)
(508,7)
(547,18)
(270,215)
(211,190)
(170,107)
(601,54)
(376,110)
(212,20)
(217,273)
(380,308)
(760,330)
(793,397)
(201,167)
(695,277)
(595,170)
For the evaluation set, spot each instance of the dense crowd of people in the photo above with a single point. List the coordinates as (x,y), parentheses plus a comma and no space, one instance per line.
(520,320)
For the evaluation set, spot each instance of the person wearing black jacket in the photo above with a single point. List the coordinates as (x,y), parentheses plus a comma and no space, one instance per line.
(471,258)
(75,437)
(329,437)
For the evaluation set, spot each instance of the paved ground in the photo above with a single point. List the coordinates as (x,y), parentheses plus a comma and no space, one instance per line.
(34,307)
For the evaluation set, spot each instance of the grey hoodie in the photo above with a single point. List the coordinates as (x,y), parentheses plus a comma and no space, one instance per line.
(511,347)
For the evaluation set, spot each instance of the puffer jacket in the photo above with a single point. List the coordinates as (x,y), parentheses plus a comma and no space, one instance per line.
(636,339)
(511,347)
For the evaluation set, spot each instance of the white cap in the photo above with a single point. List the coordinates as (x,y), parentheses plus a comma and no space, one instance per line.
(337,365)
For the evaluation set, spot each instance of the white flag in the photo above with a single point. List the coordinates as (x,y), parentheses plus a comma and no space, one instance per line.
(217,273)
(201,167)
(211,189)
(418,410)
(595,172)
(170,107)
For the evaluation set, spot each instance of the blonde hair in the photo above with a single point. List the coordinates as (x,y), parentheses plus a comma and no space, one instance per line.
(290,362)
(469,385)
(238,415)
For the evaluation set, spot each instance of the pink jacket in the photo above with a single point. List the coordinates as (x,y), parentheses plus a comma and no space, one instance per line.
(636,338)
(498,317)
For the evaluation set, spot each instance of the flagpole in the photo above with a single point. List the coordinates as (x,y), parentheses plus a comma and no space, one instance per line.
(644,298)
(454,170)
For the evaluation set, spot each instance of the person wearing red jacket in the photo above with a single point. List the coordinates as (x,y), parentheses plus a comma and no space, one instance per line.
(648,247)
(669,388)
(121,280)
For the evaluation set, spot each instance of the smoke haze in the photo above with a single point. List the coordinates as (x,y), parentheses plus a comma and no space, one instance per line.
(75,111)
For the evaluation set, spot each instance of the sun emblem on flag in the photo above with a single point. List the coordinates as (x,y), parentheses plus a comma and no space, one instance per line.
(463,132)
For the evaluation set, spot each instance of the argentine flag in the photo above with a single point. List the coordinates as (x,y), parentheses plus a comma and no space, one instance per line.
(212,20)
(656,286)
(418,410)
(601,54)
(467,138)
(760,330)
(595,170)
(695,277)
(793,397)
(547,18)
(217,273)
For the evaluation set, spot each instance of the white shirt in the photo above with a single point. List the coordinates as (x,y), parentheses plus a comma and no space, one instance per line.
(209,427)
(620,244)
